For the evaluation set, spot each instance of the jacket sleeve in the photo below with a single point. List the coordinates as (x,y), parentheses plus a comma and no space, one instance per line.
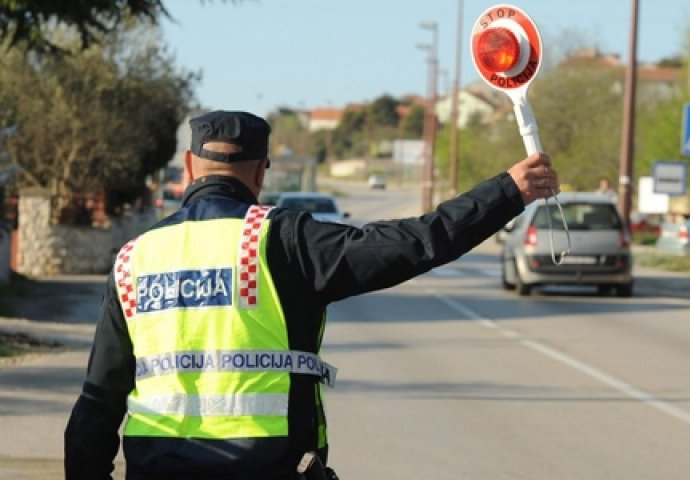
(91,436)
(338,261)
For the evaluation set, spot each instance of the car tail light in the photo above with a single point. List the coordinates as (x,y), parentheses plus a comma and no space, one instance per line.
(531,236)
(683,235)
(623,238)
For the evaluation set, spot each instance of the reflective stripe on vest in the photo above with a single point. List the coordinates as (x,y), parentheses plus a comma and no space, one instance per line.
(237,405)
(236,361)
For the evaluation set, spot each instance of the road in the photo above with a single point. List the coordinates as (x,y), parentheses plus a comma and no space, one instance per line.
(446,376)
(449,377)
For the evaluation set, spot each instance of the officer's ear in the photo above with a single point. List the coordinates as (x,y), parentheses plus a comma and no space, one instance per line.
(188,165)
(261,172)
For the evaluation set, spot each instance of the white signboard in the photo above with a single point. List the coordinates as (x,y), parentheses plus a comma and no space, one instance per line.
(408,152)
(648,201)
(670,178)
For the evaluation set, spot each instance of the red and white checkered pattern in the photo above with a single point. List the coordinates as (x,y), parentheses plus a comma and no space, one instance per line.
(123,278)
(248,273)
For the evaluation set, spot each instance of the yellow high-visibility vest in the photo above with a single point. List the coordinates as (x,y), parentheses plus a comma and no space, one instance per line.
(208,330)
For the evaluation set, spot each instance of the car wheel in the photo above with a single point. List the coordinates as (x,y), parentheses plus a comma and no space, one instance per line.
(604,289)
(624,289)
(522,288)
(504,276)
(504,281)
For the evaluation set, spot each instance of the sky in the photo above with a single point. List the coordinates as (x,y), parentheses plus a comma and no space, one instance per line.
(257,55)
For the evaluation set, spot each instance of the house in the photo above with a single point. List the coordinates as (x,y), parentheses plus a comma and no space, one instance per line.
(324,119)
(475,101)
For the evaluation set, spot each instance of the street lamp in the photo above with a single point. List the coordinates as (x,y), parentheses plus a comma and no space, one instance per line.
(430,116)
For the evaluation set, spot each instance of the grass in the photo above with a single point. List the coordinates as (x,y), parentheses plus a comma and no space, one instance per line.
(649,256)
(672,263)
(8,350)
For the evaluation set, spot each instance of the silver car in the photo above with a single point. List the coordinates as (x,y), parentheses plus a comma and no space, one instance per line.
(674,236)
(600,246)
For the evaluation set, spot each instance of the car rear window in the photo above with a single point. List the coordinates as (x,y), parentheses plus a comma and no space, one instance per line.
(579,216)
(311,205)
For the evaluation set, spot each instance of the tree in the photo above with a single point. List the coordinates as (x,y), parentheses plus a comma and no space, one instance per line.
(287,131)
(383,112)
(100,119)
(347,137)
(659,124)
(412,125)
(31,23)
(579,113)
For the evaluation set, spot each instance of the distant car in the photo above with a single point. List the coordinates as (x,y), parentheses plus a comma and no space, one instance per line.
(600,253)
(675,235)
(377,181)
(322,206)
(645,223)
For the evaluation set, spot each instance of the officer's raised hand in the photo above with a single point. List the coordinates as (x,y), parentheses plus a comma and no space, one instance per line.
(535,178)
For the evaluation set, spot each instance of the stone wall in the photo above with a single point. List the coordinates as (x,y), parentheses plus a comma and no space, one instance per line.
(46,249)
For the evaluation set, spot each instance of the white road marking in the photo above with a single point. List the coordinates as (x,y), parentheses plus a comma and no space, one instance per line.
(540,347)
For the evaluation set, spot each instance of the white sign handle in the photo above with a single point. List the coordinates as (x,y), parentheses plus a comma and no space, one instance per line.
(527,124)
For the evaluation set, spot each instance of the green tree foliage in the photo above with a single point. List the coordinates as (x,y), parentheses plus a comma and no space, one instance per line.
(658,134)
(30,23)
(659,125)
(287,131)
(579,115)
(348,137)
(100,119)
(412,126)
(383,112)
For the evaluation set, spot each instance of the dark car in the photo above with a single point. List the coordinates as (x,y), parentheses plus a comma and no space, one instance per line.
(322,206)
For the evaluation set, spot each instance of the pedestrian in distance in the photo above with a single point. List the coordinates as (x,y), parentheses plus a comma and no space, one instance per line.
(208,340)
(605,190)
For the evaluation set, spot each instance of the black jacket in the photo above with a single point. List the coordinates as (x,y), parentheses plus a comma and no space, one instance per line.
(313,264)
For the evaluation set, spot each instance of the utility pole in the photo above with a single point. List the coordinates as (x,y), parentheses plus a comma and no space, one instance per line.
(453,190)
(430,118)
(628,131)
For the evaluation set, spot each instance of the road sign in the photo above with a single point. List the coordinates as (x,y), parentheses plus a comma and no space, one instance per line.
(685,134)
(670,178)
(507,53)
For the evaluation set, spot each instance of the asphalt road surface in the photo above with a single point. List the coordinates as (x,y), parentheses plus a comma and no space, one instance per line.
(448,376)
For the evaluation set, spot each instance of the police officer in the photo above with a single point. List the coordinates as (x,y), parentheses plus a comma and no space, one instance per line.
(211,324)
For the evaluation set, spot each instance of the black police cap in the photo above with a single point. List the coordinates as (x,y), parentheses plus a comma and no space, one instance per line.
(242,129)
